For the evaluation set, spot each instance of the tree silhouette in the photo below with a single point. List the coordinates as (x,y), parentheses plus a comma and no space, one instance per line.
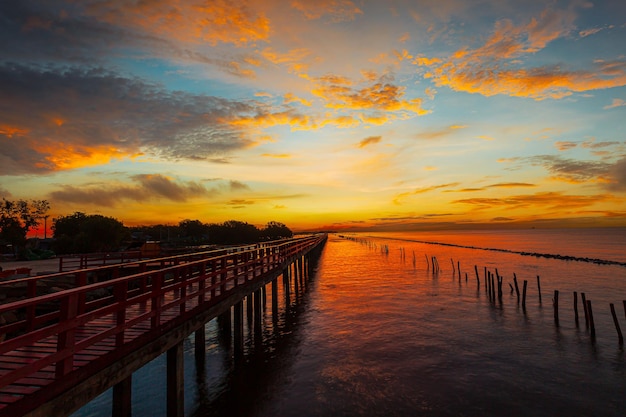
(18,217)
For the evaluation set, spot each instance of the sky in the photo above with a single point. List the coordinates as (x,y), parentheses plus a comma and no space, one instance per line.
(323,115)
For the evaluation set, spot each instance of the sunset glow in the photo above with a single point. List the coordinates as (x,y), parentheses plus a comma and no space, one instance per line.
(344,115)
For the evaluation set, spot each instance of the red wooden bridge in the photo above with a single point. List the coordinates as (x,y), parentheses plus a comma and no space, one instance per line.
(63,348)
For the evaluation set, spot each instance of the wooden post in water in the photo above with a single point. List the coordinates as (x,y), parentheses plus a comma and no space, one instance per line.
(122,398)
(539,288)
(524,294)
(624,301)
(453,269)
(619,331)
(478,278)
(576,308)
(199,344)
(486,279)
(175,381)
(584,300)
(458,267)
(516,286)
(238,329)
(556,307)
(591,323)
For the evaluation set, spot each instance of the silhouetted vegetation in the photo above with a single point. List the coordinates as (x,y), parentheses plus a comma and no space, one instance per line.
(194,232)
(83,233)
(17,218)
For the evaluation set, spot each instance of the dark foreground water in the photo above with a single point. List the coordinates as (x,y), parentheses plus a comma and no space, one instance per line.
(377,333)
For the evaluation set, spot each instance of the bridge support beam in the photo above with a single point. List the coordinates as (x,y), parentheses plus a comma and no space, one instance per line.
(122,398)
(275,299)
(200,345)
(175,381)
(238,329)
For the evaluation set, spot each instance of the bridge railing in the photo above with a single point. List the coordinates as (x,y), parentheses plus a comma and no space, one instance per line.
(72,324)
(116,266)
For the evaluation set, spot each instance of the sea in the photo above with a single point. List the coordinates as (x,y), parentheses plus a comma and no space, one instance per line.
(403,324)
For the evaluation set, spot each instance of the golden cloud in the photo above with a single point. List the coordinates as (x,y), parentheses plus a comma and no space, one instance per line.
(549,200)
(11,131)
(398,198)
(212,22)
(369,141)
(338,10)
(494,68)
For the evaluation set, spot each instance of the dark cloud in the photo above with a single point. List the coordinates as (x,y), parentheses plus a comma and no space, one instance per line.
(4,193)
(369,141)
(618,175)
(149,187)
(52,118)
(571,169)
(237,185)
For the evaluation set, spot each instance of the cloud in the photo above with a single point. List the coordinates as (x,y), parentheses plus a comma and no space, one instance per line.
(380,95)
(4,193)
(617,102)
(510,185)
(618,175)
(290,98)
(398,198)
(496,67)
(436,134)
(276,155)
(369,141)
(588,32)
(212,22)
(571,170)
(237,186)
(147,187)
(564,146)
(82,117)
(544,200)
(337,10)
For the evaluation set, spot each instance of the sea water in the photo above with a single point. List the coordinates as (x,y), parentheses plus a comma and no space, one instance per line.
(379,331)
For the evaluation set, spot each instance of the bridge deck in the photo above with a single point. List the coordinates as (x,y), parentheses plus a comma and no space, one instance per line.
(62,338)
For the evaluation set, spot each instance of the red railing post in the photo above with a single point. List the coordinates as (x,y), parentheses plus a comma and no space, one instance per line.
(66,338)
(157,284)
(223,275)
(183,286)
(201,283)
(120,293)
(31,292)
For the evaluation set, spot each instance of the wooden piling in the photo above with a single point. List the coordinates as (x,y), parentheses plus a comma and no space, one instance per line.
(175,381)
(122,398)
(539,288)
(516,287)
(524,295)
(592,325)
(584,300)
(619,331)
(478,280)
(556,307)
(576,308)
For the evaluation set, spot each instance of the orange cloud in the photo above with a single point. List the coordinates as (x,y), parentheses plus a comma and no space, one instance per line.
(401,196)
(276,155)
(494,68)
(369,141)
(338,10)
(290,98)
(212,22)
(10,131)
(60,156)
(338,93)
(293,60)
(549,200)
